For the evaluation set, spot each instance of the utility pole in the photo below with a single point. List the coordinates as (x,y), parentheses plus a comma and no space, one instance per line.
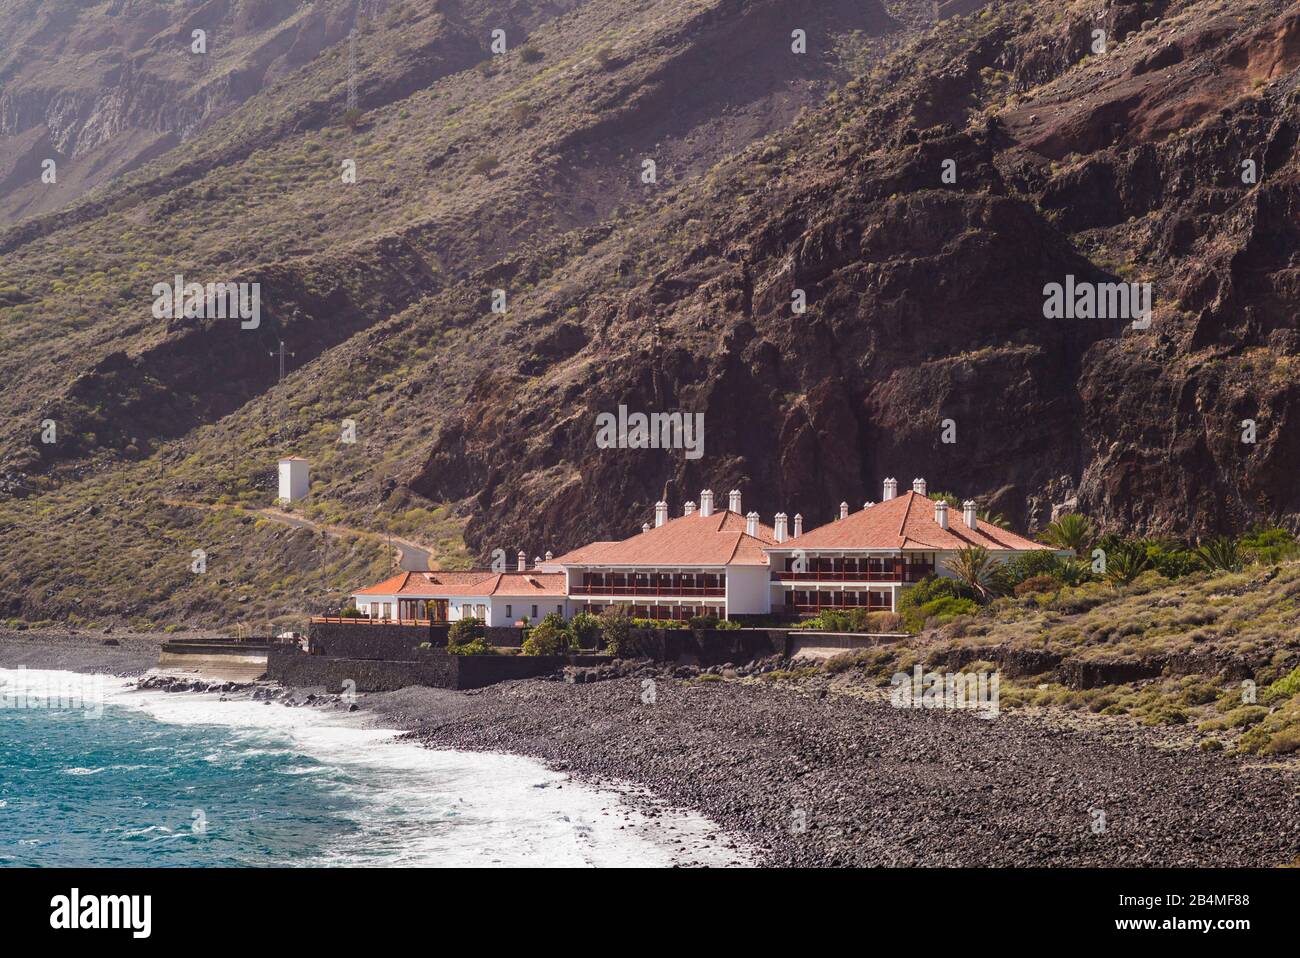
(282,354)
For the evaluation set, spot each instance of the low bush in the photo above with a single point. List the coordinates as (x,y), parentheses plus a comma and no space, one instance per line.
(586,630)
(551,636)
(944,610)
(1037,583)
(465,630)
(472,647)
(615,629)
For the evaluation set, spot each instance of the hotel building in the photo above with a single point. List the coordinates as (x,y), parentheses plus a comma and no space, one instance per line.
(715,562)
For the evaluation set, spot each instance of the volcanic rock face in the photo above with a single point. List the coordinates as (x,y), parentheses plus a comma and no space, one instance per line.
(841,262)
(926,308)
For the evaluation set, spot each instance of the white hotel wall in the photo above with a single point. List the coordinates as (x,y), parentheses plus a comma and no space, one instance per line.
(749,590)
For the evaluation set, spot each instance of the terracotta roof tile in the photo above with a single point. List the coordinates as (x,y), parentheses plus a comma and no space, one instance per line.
(473,582)
(907,522)
(718,539)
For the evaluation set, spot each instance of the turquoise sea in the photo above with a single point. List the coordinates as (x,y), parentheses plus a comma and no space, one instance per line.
(94,773)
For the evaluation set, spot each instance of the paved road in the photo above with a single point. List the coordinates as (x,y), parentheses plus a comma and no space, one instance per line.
(411,557)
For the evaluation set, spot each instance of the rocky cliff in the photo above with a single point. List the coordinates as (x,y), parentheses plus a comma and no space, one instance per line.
(841,262)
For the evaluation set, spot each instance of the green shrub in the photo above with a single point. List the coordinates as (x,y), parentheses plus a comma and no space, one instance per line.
(484,165)
(1038,583)
(926,591)
(1220,554)
(465,630)
(472,647)
(551,636)
(1270,545)
(530,54)
(1171,561)
(884,622)
(946,609)
(586,630)
(703,622)
(615,629)
(1126,561)
(1284,688)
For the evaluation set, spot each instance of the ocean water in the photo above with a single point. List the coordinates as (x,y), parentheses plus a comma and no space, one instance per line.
(115,777)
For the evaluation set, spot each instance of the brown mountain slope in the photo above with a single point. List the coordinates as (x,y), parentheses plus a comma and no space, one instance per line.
(925,298)
(564,131)
(926,302)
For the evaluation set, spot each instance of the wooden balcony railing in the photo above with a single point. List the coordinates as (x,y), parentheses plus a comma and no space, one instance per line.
(365,620)
(902,573)
(664,591)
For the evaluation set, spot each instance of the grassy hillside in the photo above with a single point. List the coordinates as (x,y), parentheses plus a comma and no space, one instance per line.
(1190,653)
(522,172)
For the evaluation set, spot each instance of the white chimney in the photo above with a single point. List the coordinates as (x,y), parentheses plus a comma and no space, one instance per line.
(798,524)
(522,558)
(751,524)
(537,560)
(645,527)
(778,527)
(661,513)
(733,502)
(549,555)
(968,514)
(844,510)
(891,490)
(918,486)
(706,502)
(941,514)
(868,504)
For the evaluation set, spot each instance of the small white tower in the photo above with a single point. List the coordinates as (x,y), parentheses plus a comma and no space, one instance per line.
(293,478)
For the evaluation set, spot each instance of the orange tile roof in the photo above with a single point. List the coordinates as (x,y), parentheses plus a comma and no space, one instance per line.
(474,582)
(716,540)
(907,522)
(387,587)
(531,583)
(577,555)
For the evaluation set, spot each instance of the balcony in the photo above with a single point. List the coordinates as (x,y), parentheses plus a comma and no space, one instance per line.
(900,572)
(663,591)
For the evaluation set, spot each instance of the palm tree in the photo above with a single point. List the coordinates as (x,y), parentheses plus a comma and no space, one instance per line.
(974,568)
(1073,531)
(993,519)
(1220,553)
(1126,561)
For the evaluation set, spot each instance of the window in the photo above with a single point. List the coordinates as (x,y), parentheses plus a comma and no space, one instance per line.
(560,609)
(534,612)
(482,612)
(509,612)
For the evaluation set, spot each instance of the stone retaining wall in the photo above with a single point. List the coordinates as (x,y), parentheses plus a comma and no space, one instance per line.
(291,666)
(706,647)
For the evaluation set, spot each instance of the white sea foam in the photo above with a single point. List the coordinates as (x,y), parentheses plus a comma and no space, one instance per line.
(420,806)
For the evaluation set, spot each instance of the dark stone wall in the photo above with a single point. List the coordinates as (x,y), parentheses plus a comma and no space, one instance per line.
(706,647)
(291,666)
(504,636)
(386,642)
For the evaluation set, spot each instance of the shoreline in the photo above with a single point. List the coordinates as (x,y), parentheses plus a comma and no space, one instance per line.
(812,777)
